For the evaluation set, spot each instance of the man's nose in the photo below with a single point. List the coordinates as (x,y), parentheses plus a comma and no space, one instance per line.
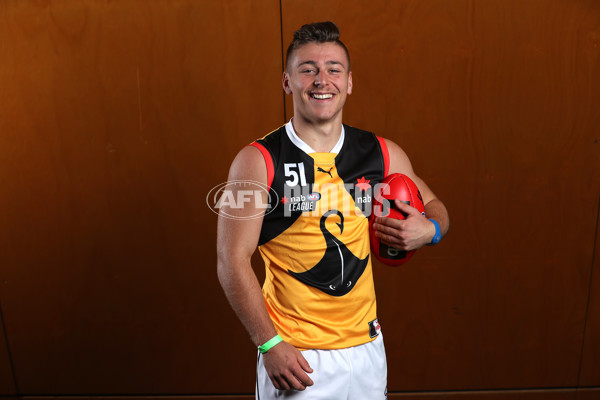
(320,78)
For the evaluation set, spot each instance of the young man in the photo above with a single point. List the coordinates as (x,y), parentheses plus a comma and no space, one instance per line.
(315,320)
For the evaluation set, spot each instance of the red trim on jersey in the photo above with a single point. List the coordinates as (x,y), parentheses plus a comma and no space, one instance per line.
(268,162)
(386,155)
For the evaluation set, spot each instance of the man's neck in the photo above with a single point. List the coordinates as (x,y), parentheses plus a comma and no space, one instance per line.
(322,137)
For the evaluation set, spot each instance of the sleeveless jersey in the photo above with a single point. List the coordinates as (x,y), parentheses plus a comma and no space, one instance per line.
(314,240)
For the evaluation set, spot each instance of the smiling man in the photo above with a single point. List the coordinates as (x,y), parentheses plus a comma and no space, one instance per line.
(318,77)
(315,319)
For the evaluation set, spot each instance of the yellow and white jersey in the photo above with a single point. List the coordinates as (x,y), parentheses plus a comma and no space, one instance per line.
(314,240)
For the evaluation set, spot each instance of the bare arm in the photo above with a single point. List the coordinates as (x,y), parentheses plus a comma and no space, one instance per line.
(237,239)
(416,230)
(236,242)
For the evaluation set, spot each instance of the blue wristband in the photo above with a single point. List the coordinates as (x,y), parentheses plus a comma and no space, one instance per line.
(438,234)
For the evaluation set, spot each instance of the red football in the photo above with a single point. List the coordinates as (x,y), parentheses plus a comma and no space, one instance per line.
(394,186)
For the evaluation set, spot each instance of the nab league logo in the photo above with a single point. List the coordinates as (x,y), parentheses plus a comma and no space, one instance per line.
(300,202)
(296,197)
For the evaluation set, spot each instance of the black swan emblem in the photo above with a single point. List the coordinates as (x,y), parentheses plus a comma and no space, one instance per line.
(339,269)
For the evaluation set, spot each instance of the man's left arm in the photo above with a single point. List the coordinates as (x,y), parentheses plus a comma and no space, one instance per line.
(416,230)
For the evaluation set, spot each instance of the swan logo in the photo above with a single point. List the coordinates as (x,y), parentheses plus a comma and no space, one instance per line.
(338,270)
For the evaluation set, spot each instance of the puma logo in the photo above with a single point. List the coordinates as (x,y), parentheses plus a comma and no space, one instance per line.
(319,169)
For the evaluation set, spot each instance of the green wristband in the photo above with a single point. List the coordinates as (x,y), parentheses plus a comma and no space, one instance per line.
(267,346)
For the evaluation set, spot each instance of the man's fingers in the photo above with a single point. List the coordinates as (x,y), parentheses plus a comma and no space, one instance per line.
(287,367)
(389,231)
(289,380)
(405,208)
(385,222)
(391,241)
(303,378)
(299,371)
(300,380)
(297,384)
(280,383)
(304,364)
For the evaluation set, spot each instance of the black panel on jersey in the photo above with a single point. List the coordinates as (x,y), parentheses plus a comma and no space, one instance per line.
(283,151)
(360,160)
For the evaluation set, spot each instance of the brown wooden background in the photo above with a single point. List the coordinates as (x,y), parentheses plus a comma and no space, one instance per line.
(117,117)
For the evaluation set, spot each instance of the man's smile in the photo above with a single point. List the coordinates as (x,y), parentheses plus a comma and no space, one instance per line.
(321,96)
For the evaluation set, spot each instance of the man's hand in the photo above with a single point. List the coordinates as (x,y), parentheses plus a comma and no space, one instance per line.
(408,234)
(287,368)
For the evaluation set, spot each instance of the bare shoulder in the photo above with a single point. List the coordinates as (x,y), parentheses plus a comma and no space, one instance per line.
(240,214)
(249,164)
(399,161)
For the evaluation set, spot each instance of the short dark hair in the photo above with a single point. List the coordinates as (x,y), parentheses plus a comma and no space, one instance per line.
(317,32)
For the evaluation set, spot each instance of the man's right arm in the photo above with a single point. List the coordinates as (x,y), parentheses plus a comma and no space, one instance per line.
(237,239)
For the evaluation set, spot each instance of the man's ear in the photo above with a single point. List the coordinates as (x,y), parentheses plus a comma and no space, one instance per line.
(285,80)
(350,82)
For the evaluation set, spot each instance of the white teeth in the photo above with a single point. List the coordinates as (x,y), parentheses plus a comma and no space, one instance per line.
(322,96)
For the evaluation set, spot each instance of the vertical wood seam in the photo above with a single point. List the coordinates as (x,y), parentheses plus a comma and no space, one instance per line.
(282,55)
(10,359)
(589,296)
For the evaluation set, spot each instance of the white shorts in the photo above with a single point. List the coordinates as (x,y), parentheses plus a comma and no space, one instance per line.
(355,373)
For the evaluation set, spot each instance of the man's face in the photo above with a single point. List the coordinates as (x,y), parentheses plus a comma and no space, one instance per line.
(319,80)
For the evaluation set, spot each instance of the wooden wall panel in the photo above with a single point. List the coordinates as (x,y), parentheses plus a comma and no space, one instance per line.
(588,394)
(496,104)
(562,394)
(118,117)
(7,383)
(590,361)
(557,394)
(192,397)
